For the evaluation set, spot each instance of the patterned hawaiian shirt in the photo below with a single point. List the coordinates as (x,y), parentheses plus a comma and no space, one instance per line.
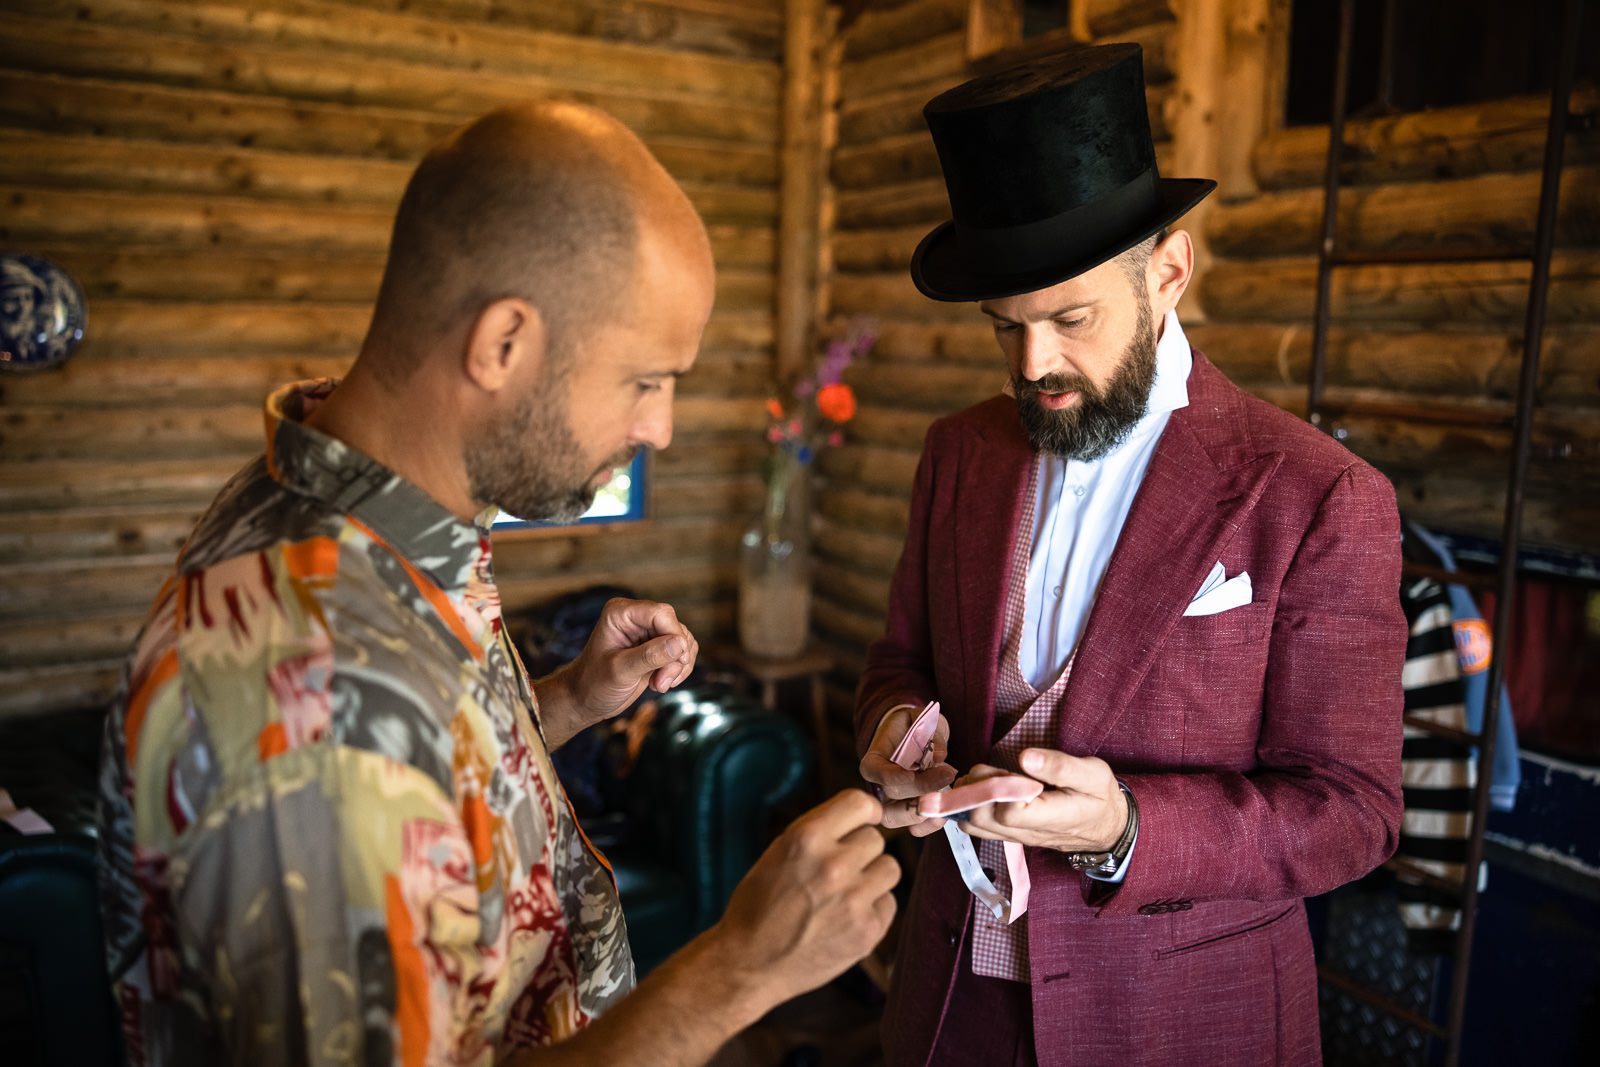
(330,830)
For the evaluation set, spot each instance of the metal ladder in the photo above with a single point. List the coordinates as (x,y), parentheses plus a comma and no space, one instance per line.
(1317,408)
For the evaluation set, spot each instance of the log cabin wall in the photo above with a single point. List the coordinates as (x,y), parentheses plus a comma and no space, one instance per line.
(220,177)
(1409,337)
(931,358)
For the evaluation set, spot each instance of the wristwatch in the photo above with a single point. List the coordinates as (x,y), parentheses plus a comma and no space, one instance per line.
(1106,863)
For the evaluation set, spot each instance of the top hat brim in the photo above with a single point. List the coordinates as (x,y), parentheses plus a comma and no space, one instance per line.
(939,271)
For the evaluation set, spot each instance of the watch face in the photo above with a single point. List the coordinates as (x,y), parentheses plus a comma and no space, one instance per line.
(42,313)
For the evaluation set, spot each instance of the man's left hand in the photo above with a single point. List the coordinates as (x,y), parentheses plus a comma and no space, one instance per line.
(1085,812)
(636,643)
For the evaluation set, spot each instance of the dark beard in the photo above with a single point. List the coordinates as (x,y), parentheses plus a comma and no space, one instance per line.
(528,464)
(1098,422)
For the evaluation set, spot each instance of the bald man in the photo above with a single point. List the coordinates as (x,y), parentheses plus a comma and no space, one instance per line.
(331,832)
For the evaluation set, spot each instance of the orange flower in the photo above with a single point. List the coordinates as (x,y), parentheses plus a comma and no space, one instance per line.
(774,408)
(836,402)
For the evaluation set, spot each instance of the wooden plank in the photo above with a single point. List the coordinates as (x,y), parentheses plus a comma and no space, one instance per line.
(1489,211)
(873,512)
(894,296)
(886,29)
(29,434)
(846,624)
(59,589)
(50,642)
(740,494)
(1159,42)
(99,483)
(933,60)
(129,530)
(1106,17)
(41,690)
(891,427)
(1450,142)
(717,27)
(870,468)
(922,202)
(929,388)
(553,553)
(48,47)
(1431,294)
(956,342)
(672,581)
(877,251)
(116,164)
(314,27)
(1449,363)
(903,158)
(869,592)
(891,114)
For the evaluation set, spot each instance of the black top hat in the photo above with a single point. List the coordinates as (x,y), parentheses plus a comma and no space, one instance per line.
(1051,171)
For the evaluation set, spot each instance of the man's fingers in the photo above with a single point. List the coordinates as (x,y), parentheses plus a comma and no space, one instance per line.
(1058,768)
(898,782)
(840,814)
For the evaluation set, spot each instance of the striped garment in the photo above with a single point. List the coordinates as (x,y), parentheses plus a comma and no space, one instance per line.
(1438,774)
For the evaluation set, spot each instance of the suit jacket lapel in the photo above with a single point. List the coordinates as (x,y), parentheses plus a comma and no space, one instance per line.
(1198,489)
(985,533)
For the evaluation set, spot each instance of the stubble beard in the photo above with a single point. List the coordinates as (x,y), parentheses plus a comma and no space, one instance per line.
(529,465)
(1099,421)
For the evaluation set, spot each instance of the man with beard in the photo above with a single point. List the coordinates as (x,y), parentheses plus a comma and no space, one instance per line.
(331,831)
(1170,604)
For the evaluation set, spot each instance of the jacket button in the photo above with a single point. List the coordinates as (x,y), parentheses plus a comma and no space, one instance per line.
(952,936)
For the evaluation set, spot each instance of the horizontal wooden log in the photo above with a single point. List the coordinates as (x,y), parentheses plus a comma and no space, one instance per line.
(861,510)
(925,388)
(60,589)
(123,165)
(1426,294)
(1159,42)
(931,60)
(891,114)
(718,27)
(923,202)
(902,158)
(73,105)
(1106,17)
(51,642)
(1450,363)
(891,427)
(179,483)
(29,434)
(551,553)
(1451,142)
(869,592)
(672,582)
(43,216)
(872,469)
(894,296)
(34,691)
(229,275)
(1489,211)
(955,342)
(132,329)
(45,46)
(130,530)
(1472,501)
(703,497)
(872,251)
(845,624)
(890,28)
(337,30)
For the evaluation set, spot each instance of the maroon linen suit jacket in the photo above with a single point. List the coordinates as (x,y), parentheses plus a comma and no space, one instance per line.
(1262,743)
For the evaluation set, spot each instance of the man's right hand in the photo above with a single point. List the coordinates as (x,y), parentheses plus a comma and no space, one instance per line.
(900,784)
(817,901)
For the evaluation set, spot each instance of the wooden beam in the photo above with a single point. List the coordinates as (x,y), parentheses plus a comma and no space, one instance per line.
(1450,142)
(886,29)
(800,200)
(1107,17)
(884,470)
(926,387)
(46,46)
(1489,211)
(935,59)
(1427,294)
(342,30)
(992,26)
(1200,37)
(1449,362)
(898,204)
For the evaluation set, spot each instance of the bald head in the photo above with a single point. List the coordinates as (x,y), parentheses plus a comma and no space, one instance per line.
(548,202)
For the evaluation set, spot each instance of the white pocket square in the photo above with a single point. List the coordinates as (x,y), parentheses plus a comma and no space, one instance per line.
(1220,594)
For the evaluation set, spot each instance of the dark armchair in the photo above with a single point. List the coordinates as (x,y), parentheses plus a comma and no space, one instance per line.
(694,814)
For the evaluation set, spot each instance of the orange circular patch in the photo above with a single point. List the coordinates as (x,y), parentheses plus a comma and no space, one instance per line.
(1473,645)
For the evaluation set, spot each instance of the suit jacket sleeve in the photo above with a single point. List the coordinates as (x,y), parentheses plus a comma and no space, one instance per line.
(900,664)
(1323,804)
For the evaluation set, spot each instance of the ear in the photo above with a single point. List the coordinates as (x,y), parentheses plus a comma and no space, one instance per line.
(1171,267)
(507,341)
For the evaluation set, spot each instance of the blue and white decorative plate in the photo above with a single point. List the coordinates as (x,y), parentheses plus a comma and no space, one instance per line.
(42,313)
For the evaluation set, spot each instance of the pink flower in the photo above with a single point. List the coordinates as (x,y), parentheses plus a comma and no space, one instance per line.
(835,439)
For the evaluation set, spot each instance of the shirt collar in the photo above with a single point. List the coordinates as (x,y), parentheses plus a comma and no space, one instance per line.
(1174,360)
(427,534)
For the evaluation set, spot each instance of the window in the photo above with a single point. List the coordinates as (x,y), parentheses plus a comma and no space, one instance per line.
(1443,53)
(621,499)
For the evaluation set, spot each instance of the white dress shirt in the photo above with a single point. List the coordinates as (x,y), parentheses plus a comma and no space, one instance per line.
(1078,512)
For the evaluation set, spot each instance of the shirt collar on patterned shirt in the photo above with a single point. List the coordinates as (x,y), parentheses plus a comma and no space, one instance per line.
(427,534)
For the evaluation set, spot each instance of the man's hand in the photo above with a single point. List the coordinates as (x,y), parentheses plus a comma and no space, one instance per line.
(899,783)
(1086,812)
(817,901)
(636,643)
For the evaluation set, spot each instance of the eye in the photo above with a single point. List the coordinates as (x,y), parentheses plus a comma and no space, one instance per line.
(648,386)
(1070,324)
(1006,327)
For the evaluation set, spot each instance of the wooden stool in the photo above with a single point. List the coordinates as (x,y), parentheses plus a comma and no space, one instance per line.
(813,663)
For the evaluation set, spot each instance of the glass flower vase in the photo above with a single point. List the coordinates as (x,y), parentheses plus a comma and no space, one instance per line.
(775,567)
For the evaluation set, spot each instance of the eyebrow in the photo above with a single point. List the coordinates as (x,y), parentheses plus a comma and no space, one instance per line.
(1056,314)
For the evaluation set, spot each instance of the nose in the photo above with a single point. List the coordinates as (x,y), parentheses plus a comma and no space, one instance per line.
(654,427)
(1037,355)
